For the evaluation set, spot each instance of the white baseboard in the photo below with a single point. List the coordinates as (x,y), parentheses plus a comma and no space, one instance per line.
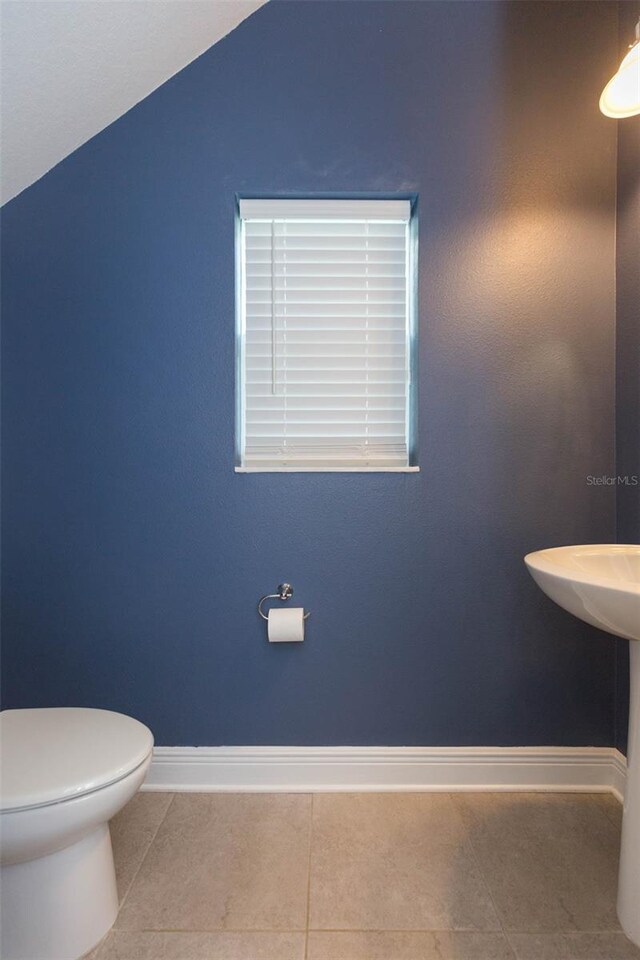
(318,769)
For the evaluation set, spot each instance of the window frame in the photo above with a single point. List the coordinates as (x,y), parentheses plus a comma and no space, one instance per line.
(411,333)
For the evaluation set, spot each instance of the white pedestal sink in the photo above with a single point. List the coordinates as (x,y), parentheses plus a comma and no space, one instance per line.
(600,583)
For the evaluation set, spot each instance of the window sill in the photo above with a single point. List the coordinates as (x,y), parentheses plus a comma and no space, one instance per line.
(327,469)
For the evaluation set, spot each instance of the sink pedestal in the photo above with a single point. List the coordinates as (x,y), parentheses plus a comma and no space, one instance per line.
(629,876)
(600,584)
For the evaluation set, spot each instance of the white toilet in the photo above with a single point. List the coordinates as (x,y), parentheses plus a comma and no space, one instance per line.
(65,773)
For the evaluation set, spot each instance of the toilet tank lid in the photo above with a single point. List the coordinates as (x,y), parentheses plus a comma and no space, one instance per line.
(56,753)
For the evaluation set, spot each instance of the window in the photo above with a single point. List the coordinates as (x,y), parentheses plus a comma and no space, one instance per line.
(325,335)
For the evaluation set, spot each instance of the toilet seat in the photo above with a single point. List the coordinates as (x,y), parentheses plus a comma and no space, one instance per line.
(54,754)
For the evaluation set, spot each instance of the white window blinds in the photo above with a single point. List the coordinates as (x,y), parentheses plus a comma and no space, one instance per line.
(324,335)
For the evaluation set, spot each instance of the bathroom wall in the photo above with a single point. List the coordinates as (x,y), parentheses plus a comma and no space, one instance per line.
(134,556)
(627,348)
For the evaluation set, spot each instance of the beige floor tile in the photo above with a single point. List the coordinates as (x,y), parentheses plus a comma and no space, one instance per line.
(548,885)
(394,861)
(384,945)
(224,861)
(574,946)
(133,945)
(132,830)
(610,806)
(550,860)
(535,815)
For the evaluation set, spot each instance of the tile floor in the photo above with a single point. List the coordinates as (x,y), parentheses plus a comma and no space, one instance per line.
(426,876)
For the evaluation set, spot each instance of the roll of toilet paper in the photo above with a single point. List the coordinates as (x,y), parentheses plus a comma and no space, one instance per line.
(285,624)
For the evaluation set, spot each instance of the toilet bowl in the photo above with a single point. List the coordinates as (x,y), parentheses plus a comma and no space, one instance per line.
(65,773)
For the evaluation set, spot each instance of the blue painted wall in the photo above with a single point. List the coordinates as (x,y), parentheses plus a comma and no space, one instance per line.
(134,556)
(627,347)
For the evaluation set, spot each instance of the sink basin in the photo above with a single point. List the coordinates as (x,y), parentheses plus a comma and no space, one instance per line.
(600,583)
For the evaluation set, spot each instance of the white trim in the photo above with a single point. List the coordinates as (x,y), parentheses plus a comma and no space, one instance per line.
(312,769)
(618,774)
(283,469)
(319,209)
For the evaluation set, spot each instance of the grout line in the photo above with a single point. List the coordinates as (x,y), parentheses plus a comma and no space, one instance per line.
(306,925)
(464,930)
(177,931)
(142,860)
(598,931)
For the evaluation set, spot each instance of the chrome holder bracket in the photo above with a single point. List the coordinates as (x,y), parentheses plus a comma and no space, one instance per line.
(284,593)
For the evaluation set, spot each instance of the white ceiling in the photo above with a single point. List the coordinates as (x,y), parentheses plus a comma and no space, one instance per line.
(71,67)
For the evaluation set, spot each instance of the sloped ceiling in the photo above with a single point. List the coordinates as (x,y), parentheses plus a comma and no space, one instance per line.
(71,67)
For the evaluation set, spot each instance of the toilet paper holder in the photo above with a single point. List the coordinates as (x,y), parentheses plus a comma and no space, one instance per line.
(285,592)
